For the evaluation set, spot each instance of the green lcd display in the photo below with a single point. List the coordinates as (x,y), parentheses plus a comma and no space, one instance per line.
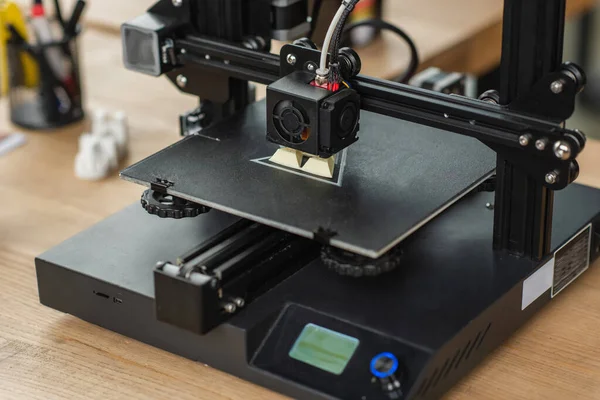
(324,348)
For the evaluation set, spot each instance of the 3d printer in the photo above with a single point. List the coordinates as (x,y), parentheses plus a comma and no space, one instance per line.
(444,224)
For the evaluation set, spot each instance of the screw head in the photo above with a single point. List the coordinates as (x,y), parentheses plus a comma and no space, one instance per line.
(562,150)
(239,302)
(557,86)
(312,67)
(524,140)
(181,81)
(489,206)
(291,59)
(229,308)
(551,178)
(540,144)
(177,3)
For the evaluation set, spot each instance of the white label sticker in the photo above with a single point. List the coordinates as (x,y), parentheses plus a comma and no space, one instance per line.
(572,260)
(537,284)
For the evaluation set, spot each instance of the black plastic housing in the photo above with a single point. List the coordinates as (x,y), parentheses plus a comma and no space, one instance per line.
(311,119)
(192,305)
(142,39)
(231,268)
(450,304)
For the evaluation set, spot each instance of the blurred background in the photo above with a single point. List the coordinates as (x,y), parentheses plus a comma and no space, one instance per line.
(582,45)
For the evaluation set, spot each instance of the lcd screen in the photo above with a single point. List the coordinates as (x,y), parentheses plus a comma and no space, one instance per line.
(324,349)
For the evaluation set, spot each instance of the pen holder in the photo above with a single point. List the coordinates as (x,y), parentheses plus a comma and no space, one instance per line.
(52,100)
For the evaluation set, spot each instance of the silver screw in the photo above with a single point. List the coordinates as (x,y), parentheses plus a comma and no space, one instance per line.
(177,3)
(557,86)
(311,67)
(291,59)
(524,140)
(551,178)
(489,206)
(229,308)
(207,57)
(540,144)
(183,51)
(239,302)
(446,115)
(562,150)
(181,81)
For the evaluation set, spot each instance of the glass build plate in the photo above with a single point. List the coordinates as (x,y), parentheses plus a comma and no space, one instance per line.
(394,180)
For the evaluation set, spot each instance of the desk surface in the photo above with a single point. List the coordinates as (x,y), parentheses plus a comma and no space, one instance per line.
(45,354)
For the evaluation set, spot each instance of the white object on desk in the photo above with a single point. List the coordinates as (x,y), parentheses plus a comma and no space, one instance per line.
(101,150)
(10,142)
(115,126)
(119,129)
(96,158)
(100,122)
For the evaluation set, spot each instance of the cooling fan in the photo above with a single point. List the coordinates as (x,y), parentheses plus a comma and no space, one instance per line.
(291,122)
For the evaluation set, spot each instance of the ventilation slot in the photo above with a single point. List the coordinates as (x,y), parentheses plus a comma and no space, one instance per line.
(483,336)
(473,346)
(462,355)
(453,363)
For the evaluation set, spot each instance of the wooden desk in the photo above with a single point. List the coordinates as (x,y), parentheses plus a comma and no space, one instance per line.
(45,354)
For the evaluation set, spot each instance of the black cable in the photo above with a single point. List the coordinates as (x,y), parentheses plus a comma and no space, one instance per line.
(380,24)
(58,11)
(334,47)
(314,18)
(336,42)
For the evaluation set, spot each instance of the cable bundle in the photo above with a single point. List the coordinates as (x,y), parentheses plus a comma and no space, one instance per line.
(330,73)
(333,40)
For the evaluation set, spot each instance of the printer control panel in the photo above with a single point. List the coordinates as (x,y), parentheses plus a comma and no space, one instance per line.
(338,358)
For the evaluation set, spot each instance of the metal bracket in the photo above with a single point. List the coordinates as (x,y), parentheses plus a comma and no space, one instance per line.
(553,96)
(161,185)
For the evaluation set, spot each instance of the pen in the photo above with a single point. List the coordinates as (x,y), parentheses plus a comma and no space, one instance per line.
(43,32)
(75,17)
(58,11)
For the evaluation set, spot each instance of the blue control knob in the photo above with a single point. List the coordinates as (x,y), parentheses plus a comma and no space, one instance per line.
(384,365)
